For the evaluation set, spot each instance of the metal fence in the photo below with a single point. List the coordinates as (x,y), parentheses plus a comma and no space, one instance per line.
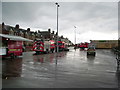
(117,53)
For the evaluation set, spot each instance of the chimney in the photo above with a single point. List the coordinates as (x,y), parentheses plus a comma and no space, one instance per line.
(38,31)
(53,32)
(28,29)
(3,25)
(49,30)
(17,26)
(62,36)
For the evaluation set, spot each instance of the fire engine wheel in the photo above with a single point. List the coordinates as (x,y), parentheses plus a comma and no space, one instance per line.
(87,53)
(94,54)
(52,50)
(12,55)
(47,51)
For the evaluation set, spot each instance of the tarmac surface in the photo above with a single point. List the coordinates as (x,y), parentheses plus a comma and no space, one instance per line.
(72,69)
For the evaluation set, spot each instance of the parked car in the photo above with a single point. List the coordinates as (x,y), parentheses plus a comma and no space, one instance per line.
(91,50)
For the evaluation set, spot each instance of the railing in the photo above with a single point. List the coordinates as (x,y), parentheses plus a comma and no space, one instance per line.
(117,52)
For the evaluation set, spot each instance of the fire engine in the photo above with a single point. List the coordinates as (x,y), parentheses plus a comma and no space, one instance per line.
(12,45)
(62,46)
(52,46)
(82,46)
(43,46)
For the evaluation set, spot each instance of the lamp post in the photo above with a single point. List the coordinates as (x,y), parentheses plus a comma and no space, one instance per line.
(75,36)
(57,25)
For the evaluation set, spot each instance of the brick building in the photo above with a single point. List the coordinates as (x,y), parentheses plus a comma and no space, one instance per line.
(47,34)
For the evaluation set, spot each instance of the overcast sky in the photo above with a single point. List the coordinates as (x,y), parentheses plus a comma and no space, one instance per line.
(93,20)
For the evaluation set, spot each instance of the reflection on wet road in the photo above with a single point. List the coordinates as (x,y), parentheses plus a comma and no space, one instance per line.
(71,69)
(11,68)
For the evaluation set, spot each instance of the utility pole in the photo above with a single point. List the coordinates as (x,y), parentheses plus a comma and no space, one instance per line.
(75,34)
(57,25)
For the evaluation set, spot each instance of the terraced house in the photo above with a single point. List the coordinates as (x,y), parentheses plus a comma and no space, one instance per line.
(29,34)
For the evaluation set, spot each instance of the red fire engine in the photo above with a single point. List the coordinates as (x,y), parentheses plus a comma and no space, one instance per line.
(52,45)
(82,46)
(11,45)
(38,46)
(62,46)
(43,46)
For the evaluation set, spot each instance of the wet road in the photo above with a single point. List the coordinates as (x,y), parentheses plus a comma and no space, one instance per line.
(71,69)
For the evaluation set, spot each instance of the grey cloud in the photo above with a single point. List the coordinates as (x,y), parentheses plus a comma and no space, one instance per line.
(119,20)
(18,11)
(89,10)
(94,16)
(29,12)
(90,13)
(0,11)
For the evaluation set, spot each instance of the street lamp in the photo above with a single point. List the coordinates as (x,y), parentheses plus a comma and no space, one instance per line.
(75,34)
(57,25)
